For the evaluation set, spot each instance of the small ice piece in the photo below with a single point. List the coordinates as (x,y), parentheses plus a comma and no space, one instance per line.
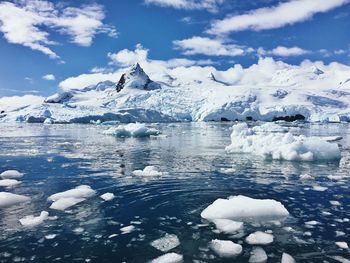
(9,199)
(82,191)
(127,229)
(258,255)
(286,258)
(319,188)
(305,177)
(169,258)
(9,182)
(228,170)
(147,171)
(259,238)
(65,203)
(78,230)
(166,243)
(312,223)
(244,209)
(342,245)
(31,221)
(225,248)
(107,196)
(50,236)
(335,203)
(11,174)
(132,130)
(339,233)
(228,226)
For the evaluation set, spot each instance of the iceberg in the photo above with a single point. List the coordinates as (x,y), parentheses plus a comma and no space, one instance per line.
(31,221)
(11,174)
(259,238)
(9,199)
(148,171)
(168,258)
(132,130)
(225,248)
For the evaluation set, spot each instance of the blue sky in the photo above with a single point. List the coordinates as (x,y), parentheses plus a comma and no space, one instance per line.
(42,43)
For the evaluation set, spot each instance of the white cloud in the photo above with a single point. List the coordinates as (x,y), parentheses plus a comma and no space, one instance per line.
(27,23)
(49,77)
(285,13)
(282,51)
(207,46)
(210,5)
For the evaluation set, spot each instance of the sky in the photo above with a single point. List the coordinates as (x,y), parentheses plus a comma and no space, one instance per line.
(47,45)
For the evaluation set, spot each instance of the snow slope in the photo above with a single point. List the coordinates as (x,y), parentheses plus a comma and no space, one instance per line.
(269,90)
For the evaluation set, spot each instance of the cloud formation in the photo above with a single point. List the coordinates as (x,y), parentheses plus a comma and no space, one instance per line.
(49,77)
(209,5)
(285,13)
(282,51)
(27,23)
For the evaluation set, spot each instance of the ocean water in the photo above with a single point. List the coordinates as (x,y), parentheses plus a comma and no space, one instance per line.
(192,158)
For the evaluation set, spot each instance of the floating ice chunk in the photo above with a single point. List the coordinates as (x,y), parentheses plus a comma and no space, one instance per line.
(9,199)
(107,196)
(82,191)
(127,229)
(286,258)
(259,238)
(169,258)
(312,223)
(228,226)
(258,255)
(245,208)
(319,188)
(147,171)
(31,221)
(305,177)
(50,236)
(78,230)
(65,203)
(132,130)
(11,174)
(225,248)
(166,243)
(281,146)
(9,182)
(335,203)
(342,245)
(339,233)
(228,170)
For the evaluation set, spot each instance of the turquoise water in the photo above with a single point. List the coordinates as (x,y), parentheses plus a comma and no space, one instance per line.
(56,158)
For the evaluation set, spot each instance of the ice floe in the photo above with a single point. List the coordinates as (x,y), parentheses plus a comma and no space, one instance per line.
(127,229)
(132,130)
(65,203)
(228,226)
(11,174)
(168,258)
(281,146)
(259,238)
(9,199)
(148,171)
(107,196)
(9,182)
(166,243)
(225,248)
(31,220)
(286,258)
(342,244)
(244,208)
(50,236)
(257,255)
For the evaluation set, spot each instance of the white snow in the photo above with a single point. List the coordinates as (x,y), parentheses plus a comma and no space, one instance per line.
(9,182)
(225,248)
(9,199)
(11,174)
(286,258)
(258,255)
(127,229)
(166,243)
(228,226)
(245,209)
(107,196)
(168,258)
(259,238)
(148,171)
(31,220)
(66,199)
(281,146)
(132,130)
(342,245)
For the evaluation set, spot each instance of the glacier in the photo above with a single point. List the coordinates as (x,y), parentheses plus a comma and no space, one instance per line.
(267,91)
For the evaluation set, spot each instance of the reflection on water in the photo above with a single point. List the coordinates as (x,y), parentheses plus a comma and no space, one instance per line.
(195,173)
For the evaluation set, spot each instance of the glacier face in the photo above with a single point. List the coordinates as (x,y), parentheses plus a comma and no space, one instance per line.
(266,91)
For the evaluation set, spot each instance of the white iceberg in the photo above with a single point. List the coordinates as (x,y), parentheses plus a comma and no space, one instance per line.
(225,248)
(342,244)
(11,174)
(228,226)
(259,238)
(281,146)
(286,258)
(168,258)
(107,196)
(31,221)
(127,229)
(66,202)
(9,199)
(9,182)
(166,243)
(245,209)
(258,255)
(148,171)
(132,130)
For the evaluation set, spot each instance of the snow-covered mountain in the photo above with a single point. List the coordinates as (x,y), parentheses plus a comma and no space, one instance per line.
(268,91)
